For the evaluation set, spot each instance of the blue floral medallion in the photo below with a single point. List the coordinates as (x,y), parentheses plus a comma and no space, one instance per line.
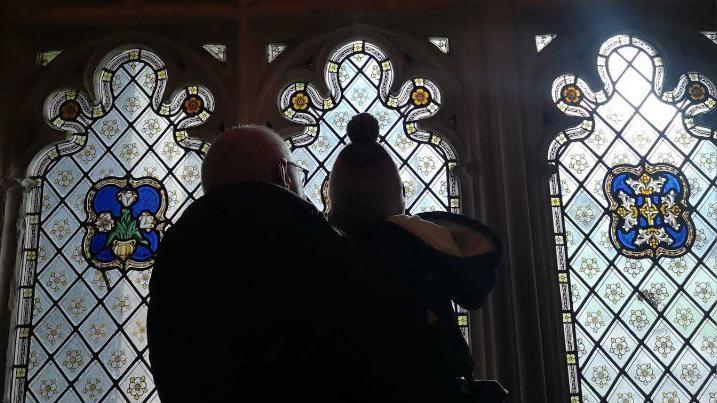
(649,213)
(125,222)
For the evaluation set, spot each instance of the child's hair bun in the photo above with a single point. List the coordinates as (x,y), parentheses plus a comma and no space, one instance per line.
(363,129)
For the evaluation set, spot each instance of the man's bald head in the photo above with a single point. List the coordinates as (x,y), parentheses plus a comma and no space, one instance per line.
(249,154)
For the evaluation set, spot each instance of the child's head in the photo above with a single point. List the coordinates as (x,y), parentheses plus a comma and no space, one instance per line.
(364,185)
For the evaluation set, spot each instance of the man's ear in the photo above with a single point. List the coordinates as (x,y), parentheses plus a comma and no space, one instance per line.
(285,178)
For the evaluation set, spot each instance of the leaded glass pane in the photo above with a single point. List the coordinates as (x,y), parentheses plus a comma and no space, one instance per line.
(95,213)
(635,227)
(359,76)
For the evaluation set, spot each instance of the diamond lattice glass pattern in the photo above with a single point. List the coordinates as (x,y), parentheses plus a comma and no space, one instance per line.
(100,202)
(635,217)
(359,76)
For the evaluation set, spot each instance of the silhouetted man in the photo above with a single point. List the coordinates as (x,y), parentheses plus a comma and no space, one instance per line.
(432,258)
(241,282)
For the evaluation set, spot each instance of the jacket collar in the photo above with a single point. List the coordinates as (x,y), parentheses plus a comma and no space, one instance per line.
(264,202)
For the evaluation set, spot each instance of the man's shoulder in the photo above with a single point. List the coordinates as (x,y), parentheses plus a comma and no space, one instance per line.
(243,241)
(249,205)
(245,215)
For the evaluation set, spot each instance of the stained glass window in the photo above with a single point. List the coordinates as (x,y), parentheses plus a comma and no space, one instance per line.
(359,76)
(217,51)
(543,40)
(99,204)
(45,57)
(441,43)
(273,50)
(711,35)
(634,208)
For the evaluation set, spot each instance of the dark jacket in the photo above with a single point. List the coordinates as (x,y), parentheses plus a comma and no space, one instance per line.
(254,297)
(236,296)
(431,279)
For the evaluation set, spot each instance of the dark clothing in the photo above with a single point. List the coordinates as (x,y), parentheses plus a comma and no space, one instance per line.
(228,295)
(430,279)
(253,298)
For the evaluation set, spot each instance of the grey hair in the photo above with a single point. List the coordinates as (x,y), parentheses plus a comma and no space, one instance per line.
(245,153)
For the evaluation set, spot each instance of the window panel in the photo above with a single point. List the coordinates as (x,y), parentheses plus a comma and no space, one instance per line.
(95,212)
(359,76)
(637,219)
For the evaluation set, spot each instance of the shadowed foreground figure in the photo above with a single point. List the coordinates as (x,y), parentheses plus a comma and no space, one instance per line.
(431,259)
(252,297)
